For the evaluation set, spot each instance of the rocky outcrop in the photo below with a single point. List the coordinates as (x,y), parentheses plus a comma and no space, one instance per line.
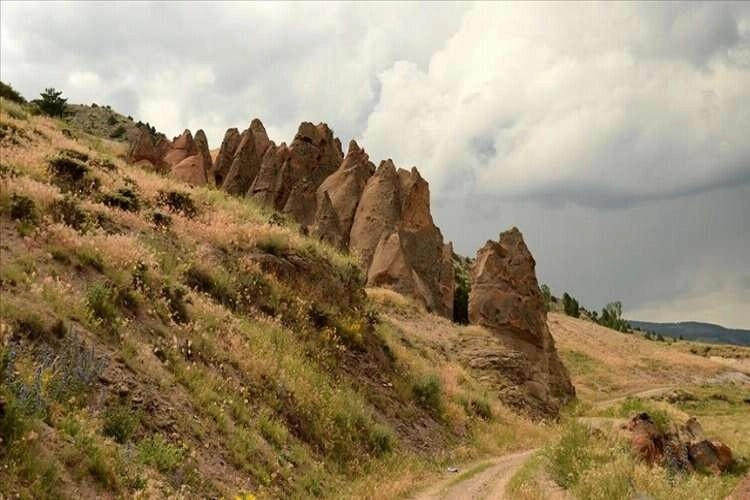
(181,147)
(395,238)
(681,448)
(224,157)
(149,148)
(246,162)
(380,215)
(345,186)
(505,298)
(313,155)
(327,226)
(194,169)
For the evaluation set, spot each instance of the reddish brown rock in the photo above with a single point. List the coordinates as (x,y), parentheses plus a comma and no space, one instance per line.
(396,240)
(327,226)
(150,148)
(447,280)
(247,160)
(313,155)
(181,147)
(505,298)
(711,455)
(224,157)
(194,169)
(377,214)
(271,184)
(345,186)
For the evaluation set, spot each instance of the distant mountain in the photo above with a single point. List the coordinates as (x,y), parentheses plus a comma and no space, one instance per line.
(693,330)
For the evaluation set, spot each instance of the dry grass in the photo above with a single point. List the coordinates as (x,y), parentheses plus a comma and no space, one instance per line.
(604,363)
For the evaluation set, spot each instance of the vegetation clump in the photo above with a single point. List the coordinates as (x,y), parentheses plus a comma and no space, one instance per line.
(72,175)
(122,198)
(178,202)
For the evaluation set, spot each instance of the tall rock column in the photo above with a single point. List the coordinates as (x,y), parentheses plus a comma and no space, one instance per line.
(505,298)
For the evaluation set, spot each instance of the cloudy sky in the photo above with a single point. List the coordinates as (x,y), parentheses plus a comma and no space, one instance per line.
(615,136)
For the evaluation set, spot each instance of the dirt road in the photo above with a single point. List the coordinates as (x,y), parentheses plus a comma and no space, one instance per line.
(485,479)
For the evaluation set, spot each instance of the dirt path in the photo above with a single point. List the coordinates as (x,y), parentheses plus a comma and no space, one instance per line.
(485,479)
(655,391)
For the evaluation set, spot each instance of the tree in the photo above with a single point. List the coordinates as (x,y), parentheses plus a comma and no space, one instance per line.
(52,103)
(570,306)
(546,296)
(8,92)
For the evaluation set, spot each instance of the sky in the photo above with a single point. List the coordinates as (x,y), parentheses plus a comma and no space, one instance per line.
(615,136)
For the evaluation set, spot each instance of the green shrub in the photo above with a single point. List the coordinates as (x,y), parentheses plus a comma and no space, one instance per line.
(112,120)
(74,154)
(381,440)
(120,422)
(8,92)
(67,211)
(118,132)
(161,220)
(72,175)
(216,283)
(570,306)
(275,243)
(481,408)
(100,299)
(155,451)
(178,202)
(571,456)
(428,393)
(122,198)
(23,208)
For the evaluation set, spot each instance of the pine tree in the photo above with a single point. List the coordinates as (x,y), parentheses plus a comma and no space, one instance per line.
(52,103)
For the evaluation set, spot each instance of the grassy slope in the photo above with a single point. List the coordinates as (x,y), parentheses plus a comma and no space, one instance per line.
(182,343)
(606,366)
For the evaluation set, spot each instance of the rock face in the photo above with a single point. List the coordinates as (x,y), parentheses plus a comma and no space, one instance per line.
(396,240)
(345,186)
(225,155)
(247,159)
(147,147)
(182,146)
(505,298)
(681,449)
(194,169)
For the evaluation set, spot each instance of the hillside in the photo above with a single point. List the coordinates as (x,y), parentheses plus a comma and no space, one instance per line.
(693,330)
(169,339)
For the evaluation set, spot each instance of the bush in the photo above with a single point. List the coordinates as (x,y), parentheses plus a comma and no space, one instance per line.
(72,175)
(428,393)
(175,297)
(122,198)
(8,92)
(176,201)
(118,132)
(75,154)
(160,219)
(157,452)
(112,120)
(66,210)
(22,208)
(275,243)
(52,103)
(120,422)
(100,299)
(217,284)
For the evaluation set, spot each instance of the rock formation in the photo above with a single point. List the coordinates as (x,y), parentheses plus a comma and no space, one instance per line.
(327,226)
(345,186)
(505,298)
(396,240)
(247,159)
(194,168)
(681,448)
(181,147)
(225,155)
(149,148)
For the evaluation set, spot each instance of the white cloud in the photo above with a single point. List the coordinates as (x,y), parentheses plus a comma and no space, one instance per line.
(540,100)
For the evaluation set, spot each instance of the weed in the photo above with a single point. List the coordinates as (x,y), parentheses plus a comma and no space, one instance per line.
(428,393)
(571,457)
(120,422)
(100,299)
(155,451)
(175,297)
(67,211)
